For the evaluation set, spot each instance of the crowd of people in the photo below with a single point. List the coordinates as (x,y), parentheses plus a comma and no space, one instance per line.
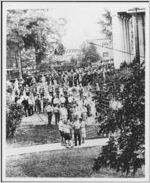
(63,95)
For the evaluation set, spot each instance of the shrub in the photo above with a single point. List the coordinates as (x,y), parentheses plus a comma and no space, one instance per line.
(14,114)
(125,150)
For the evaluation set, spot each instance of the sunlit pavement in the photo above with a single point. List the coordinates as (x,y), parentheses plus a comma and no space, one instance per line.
(53,147)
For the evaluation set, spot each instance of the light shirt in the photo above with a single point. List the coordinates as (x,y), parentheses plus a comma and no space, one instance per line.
(56,109)
(30,101)
(77,125)
(83,124)
(86,102)
(49,98)
(49,108)
(60,125)
(66,128)
(56,101)
(63,112)
(70,99)
(62,100)
(19,101)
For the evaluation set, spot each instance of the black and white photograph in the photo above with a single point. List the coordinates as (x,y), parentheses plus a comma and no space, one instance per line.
(75,91)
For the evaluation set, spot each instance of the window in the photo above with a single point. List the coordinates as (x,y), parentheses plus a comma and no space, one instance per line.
(105,54)
(105,44)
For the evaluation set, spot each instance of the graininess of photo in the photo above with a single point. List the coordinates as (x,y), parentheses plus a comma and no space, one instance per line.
(75,90)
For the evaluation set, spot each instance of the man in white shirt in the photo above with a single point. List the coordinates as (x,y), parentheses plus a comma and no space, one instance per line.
(77,129)
(63,112)
(49,110)
(61,130)
(49,97)
(30,106)
(62,99)
(57,114)
(56,100)
(70,98)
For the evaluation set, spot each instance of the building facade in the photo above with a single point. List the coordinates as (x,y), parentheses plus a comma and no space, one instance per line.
(128,36)
(104,48)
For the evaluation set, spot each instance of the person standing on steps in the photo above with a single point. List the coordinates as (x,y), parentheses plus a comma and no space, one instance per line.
(49,110)
(77,131)
(83,130)
(57,113)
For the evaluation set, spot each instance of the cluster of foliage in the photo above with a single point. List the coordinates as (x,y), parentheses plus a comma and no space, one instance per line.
(73,60)
(106,24)
(59,50)
(89,53)
(32,29)
(44,67)
(14,115)
(125,150)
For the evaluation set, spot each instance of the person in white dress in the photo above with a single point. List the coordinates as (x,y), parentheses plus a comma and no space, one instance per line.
(83,130)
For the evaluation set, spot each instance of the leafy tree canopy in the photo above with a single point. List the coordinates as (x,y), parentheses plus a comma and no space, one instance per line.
(33,29)
(106,24)
(89,53)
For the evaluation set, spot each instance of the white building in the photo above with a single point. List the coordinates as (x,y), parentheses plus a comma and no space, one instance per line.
(104,48)
(128,35)
(70,53)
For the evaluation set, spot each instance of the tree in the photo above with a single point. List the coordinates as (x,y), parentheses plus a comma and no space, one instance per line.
(32,29)
(73,61)
(106,24)
(60,50)
(14,115)
(126,121)
(89,53)
(44,67)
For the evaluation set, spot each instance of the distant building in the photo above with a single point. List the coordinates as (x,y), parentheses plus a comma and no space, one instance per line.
(128,35)
(105,51)
(104,48)
(69,53)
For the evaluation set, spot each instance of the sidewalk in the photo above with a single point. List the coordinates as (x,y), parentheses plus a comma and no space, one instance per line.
(52,147)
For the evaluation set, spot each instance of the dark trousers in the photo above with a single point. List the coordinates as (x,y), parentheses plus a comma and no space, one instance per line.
(38,107)
(26,110)
(81,95)
(57,118)
(77,137)
(30,110)
(50,114)
(75,82)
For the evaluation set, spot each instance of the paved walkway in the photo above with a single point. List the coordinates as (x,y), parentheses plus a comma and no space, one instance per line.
(52,147)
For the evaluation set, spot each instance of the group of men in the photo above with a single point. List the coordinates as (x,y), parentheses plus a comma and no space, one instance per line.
(65,96)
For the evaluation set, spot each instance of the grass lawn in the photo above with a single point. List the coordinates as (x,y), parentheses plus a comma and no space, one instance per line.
(62,163)
(42,134)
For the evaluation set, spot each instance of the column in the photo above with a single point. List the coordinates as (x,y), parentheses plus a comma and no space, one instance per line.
(128,37)
(117,39)
(123,41)
(127,40)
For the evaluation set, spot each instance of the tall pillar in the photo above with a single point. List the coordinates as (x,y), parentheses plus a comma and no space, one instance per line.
(125,40)
(137,39)
(128,38)
(117,40)
(143,27)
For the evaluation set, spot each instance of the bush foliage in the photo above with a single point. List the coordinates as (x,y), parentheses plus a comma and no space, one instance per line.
(125,150)
(13,118)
